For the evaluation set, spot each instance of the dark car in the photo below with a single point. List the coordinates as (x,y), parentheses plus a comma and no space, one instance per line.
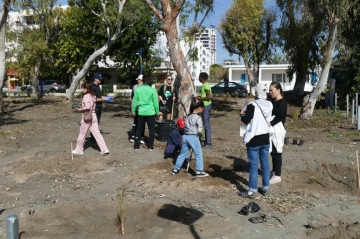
(233,88)
(50,86)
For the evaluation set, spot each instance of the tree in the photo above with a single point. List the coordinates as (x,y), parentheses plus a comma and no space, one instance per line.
(32,51)
(167,12)
(333,13)
(218,73)
(71,51)
(4,10)
(301,35)
(276,59)
(349,54)
(247,30)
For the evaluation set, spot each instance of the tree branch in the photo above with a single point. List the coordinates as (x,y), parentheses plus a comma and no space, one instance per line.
(154,9)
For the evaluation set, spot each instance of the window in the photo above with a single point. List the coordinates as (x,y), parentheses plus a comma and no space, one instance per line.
(231,85)
(279,78)
(220,85)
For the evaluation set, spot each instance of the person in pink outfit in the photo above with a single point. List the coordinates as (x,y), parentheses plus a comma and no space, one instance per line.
(88,102)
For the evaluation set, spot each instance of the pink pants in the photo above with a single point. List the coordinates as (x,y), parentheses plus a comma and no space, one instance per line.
(94,129)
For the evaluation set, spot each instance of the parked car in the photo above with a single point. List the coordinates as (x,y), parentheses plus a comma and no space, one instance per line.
(50,86)
(233,88)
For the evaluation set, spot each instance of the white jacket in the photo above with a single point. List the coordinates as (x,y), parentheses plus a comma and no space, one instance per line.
(259,124)
(277,135)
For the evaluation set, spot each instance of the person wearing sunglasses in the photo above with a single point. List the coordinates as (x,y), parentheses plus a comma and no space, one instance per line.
(167,96)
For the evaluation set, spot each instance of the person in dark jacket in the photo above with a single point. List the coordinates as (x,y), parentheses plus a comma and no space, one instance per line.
(99,98)
(279,111)
(174,142)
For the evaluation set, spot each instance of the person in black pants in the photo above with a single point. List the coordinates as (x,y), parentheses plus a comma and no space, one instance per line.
(279,111)
(99,98)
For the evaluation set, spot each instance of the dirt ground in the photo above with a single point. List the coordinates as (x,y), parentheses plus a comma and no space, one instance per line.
(57,197)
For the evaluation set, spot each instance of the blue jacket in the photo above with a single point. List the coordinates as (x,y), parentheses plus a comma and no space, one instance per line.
(175,139)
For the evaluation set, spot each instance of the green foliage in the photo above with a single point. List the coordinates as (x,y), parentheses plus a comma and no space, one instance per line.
(247,30)
(218,73)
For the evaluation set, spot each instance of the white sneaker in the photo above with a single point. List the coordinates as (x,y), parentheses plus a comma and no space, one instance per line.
(76,153)
(275,179)
(105,152)
(142,141)
(132,140)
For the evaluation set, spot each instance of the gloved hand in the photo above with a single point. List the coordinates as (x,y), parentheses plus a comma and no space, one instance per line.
(109,98)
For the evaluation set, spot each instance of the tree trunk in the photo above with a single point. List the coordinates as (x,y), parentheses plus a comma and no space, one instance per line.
(179,62)
(310,100)
(3,15)
(35,82)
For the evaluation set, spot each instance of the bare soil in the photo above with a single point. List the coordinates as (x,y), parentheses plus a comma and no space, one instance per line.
(57,197)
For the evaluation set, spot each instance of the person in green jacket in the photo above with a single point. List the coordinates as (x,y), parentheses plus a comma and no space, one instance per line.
(146,100)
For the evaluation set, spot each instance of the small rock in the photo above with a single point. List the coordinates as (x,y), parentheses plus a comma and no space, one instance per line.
(310,148)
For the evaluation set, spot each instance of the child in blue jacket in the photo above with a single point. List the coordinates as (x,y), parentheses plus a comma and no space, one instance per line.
(174,142)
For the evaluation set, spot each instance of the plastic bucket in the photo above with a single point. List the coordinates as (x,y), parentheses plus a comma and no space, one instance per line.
(163,129)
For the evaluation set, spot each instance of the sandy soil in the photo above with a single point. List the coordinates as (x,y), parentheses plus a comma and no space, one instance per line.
(57,197)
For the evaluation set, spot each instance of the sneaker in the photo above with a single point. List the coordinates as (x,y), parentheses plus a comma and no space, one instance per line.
(142,141)
(175,171)
(105,152)
(264,192)
(207,146)
(151,148)
(275,179)
(132,140)
(136,148)
(76,153)
(201,174)
(247,195)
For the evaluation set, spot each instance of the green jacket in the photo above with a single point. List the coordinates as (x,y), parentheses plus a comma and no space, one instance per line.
(146,98)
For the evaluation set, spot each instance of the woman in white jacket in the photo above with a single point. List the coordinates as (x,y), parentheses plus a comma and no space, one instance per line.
(256,138)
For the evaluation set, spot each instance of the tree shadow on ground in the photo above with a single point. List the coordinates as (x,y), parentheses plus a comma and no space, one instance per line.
(184,215)
(229,173)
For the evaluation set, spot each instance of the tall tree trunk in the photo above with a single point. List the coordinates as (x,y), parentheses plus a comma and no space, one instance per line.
(168,15)
(3,15)
(310,99)
(179,62)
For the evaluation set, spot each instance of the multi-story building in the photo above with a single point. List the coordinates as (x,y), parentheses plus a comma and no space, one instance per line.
(208,39)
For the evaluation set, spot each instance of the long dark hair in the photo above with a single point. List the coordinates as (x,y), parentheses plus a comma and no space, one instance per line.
(277,86)
(88,88)
(195,103)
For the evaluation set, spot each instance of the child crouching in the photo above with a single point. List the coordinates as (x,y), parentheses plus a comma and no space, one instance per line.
(173,145)
(193,127)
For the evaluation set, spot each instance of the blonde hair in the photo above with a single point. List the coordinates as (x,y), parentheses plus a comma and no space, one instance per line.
(172,82)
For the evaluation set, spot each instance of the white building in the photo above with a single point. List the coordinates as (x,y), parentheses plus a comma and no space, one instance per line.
(268,74)
(208,40)
(202,65)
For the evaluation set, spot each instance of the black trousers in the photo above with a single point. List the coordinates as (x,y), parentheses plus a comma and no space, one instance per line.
(133,130)
(98,116)
(150,120)
(276,161)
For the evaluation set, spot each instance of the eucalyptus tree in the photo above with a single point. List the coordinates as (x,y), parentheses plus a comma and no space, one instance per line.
(83,32)
(4,10)
(334,12)
(349,49)
(301,35)
(167,12)
(114,20)
(247,31)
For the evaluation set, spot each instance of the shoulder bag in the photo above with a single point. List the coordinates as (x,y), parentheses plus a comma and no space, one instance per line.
(88,115)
